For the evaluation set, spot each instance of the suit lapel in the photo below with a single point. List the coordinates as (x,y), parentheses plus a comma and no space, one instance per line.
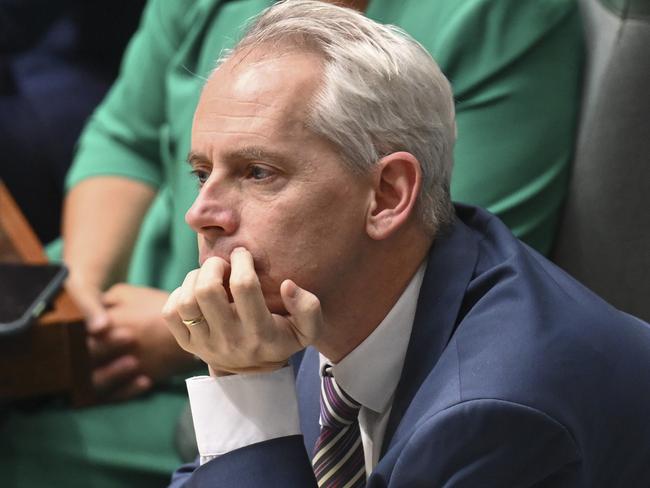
(451,263)
(308,390)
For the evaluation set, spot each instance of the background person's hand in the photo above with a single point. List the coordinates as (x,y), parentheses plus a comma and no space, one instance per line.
(134,349)
(242,336)
(88,297)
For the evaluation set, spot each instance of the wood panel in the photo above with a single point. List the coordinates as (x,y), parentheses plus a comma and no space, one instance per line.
(50,358)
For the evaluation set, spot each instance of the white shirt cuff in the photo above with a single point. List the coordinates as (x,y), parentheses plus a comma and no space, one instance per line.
(235,411)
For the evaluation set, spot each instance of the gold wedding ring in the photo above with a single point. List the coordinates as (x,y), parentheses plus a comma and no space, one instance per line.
(194,321)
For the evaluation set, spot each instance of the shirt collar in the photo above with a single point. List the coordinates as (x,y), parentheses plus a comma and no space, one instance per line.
(370,373)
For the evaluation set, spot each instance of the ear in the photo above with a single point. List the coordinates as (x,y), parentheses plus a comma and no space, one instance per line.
(396,186)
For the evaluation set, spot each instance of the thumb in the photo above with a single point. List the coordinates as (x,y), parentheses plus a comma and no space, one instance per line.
(304,310)
(89,301)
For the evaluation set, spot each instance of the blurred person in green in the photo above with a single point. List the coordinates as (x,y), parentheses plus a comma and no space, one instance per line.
(514,67)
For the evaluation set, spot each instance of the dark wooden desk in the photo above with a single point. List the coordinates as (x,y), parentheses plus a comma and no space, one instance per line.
(50,358)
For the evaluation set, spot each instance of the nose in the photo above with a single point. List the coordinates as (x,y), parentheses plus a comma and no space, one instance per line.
(212,215)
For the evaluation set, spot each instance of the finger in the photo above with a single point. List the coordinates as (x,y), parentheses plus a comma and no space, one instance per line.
(135,387)
(247,292)
(211,295)
(110,344)
(89,301)
(114,295)
(174,323)
(305,312)
(111,376)
(97,320)
(186,305)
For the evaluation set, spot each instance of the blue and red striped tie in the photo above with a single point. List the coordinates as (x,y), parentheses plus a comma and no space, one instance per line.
(338,456)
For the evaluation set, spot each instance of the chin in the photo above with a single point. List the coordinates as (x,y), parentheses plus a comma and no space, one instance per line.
(204,256)
(274,303)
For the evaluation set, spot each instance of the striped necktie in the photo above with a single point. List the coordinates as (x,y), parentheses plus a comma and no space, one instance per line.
(338,456)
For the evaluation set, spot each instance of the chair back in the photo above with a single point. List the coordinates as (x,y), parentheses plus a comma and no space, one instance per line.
(604,237)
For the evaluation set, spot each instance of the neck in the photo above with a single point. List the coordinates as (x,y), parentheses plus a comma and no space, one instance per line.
(356,309)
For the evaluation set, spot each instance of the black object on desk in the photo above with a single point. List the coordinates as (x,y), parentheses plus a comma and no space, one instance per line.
(25,292)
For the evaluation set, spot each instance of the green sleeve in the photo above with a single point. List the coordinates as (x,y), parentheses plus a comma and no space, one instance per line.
(515,69)
(122,137)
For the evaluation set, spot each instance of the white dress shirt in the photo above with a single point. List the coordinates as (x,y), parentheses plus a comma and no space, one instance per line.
(231,412)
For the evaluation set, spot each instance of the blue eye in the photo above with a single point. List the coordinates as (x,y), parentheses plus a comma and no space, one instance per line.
(200,175)
(257,172)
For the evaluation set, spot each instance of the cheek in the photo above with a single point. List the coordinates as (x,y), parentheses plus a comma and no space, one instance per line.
(309,235)
(312,253)
(292,248)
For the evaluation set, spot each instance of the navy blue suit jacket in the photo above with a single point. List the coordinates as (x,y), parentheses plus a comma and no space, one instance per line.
(515,376)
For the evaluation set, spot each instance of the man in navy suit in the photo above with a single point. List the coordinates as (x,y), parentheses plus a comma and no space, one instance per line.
(359,329)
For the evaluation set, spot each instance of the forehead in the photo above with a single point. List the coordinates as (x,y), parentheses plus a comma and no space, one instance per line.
(274,89)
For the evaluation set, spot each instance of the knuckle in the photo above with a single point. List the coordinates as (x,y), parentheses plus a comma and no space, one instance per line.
(204,291)
(189,278)
(191,275)
(186,302)
(213,261)
(167,309)
(243,283)
(169,314)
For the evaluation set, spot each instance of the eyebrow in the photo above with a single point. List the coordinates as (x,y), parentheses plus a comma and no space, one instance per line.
(249,153)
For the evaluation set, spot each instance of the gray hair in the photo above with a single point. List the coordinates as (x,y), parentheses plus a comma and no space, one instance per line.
(381,93)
